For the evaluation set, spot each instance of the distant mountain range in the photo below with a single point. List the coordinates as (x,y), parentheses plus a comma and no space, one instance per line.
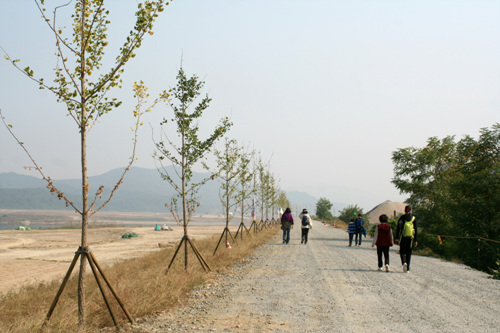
(143,190)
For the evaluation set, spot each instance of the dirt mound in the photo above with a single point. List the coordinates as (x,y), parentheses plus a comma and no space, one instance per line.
(390,208)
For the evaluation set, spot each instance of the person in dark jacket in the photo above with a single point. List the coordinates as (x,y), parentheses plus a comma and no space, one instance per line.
(383,240)
(406,237)
(351,229)
(359,222)
(286,224)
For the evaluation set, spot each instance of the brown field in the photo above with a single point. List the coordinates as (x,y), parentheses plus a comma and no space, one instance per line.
(41,255)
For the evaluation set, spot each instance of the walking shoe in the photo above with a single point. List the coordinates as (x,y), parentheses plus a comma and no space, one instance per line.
(407,272)
(302,242)
(380,268)
(405,267)
(387,268)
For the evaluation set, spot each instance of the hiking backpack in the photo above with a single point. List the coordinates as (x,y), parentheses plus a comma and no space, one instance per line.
(305,221)
(359,225)
(408,230)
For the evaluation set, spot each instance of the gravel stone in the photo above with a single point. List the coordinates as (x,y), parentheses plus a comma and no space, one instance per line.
(326,286)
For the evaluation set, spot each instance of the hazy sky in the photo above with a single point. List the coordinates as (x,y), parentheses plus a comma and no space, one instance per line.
(325,90)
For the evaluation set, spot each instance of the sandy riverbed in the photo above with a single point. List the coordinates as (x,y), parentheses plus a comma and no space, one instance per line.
(42,255)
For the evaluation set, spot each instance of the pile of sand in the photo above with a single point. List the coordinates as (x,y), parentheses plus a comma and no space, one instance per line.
(390,208)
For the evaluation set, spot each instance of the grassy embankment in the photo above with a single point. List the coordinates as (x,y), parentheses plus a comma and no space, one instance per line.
(141,284)
(336,222)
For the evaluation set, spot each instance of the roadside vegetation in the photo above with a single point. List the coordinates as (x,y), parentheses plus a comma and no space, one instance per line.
(142,284)
(471,238)
(453,187)
(324,214)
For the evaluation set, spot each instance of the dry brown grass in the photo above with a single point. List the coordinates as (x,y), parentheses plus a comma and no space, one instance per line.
(140,283)
(338,223)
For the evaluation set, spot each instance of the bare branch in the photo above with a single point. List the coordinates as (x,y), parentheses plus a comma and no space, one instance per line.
(138,123)
(53,27)
(50,185)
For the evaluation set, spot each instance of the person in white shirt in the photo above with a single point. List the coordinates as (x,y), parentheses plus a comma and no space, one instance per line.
(305,219)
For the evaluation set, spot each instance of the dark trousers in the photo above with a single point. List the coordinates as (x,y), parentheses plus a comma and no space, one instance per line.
(405,249)
(305,232)
(357,240)
(385,251)
(286,235)
(351,236)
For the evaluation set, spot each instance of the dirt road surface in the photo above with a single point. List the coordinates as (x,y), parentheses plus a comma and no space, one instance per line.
(325,286)
(41,255)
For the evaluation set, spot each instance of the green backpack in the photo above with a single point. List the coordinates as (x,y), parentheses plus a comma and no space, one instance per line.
(408,230)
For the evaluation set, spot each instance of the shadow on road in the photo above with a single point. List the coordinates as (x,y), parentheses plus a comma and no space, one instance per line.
(356,270)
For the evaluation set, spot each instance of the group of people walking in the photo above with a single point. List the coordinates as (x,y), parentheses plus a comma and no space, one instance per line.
(406,235)
(287,223)
(356,229)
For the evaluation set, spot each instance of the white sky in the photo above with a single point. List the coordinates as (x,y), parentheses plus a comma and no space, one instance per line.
(326,90)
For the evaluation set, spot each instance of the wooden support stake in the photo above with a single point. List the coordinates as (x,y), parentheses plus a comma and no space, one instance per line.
(224,232)
(195,250)
(61,288)
(94,260)
(242,227)
(203,263)
(175,254)
(94,271)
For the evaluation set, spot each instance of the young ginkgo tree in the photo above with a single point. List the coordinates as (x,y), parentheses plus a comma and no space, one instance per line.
(83,85)
(186,153)
(233,164)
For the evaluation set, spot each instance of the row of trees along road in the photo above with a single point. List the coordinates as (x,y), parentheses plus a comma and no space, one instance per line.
(83,86)
(454,188)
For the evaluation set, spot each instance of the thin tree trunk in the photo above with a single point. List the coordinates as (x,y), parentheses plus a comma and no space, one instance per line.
(83,134)
(81,280)
(243,209)
(184,208)
(227,201)
(184,218)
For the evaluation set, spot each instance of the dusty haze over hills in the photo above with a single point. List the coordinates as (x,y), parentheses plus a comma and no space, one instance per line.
(142,190)
(324,90)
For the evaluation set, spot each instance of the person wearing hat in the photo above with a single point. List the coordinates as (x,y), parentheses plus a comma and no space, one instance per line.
(305,219)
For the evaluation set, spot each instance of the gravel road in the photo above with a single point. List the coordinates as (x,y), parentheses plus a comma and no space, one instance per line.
(325,286)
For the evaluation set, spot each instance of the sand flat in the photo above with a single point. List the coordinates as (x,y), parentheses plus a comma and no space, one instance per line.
(42,255)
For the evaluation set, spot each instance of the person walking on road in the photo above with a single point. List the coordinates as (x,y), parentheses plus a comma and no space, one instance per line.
(351,229)
(305,219)
(383,240)
(359,222)
(406,237)
(286,224)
